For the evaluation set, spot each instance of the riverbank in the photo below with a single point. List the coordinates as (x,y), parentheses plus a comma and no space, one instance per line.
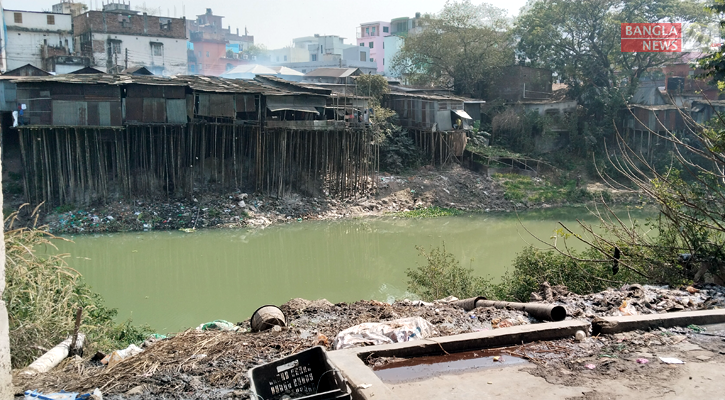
(212,364)
(452,187)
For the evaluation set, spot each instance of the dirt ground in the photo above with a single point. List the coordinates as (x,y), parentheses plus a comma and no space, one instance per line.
(214,364)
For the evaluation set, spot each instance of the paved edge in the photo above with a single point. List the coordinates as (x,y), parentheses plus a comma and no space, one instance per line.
(359,376)
(607,325)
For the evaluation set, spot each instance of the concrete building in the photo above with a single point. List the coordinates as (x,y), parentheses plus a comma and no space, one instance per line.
(207,34)
(312,52)
(372,35)
(118,38)
(35,38)
(69,7)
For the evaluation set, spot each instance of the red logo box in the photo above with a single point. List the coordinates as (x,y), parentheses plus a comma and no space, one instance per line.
(660,37)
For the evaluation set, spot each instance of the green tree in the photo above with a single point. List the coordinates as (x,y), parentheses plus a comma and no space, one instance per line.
(373,86)
(581,41)
(459,48)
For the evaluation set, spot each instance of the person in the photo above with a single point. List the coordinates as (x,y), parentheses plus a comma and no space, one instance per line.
(459,123)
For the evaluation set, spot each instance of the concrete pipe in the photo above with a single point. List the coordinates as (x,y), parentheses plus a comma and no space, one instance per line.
(468,304)
(543,312)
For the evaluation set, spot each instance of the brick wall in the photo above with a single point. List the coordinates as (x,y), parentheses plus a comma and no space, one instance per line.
(125,24)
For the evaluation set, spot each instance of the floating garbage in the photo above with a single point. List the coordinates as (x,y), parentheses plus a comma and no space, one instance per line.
(374,333)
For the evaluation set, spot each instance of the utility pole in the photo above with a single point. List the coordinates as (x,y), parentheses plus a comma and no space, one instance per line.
(6,381)
(126,60)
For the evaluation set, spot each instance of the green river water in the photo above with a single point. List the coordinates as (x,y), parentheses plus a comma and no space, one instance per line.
(175,280)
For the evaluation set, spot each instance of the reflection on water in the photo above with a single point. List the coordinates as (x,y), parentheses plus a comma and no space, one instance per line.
(174,280)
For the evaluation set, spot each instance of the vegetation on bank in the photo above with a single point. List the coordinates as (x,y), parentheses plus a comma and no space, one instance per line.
(42,295)
(429,212)
(521,188)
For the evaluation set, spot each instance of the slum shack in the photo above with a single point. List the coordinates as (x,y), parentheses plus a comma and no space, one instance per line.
(96,137)
(436,121)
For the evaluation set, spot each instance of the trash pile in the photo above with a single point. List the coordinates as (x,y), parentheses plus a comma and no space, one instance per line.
(212,360)
(639,299)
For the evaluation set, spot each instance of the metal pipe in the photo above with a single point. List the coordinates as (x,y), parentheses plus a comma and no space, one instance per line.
(540,311)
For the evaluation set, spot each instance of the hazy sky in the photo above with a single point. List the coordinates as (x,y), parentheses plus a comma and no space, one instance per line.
(275,23)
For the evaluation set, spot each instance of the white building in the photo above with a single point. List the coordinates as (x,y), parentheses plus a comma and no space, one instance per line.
(311,52)
(35,37)
(119,38)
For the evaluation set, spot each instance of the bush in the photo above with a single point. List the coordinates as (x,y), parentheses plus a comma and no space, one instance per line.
(43,295)
(443,276)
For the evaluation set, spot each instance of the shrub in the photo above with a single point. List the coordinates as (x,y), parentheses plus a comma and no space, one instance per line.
(43,295)
(442,276)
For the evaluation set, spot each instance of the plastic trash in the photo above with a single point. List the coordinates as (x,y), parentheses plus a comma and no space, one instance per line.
(120,355)
(671,360)
(642,361)
(627,309)
(374,333)
(218,325)
(590,366)
(34,394)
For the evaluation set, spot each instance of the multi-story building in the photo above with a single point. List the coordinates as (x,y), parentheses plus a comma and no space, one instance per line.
(372,35)
(399,30)
(35,38)
(118,38)
(323,51)
(225,48)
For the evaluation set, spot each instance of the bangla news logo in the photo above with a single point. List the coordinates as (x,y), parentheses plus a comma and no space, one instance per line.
(652,38)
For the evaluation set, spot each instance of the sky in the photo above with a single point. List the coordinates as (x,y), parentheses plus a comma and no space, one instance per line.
(275,23)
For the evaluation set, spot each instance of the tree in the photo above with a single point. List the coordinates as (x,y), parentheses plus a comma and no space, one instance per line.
(581,41)
(373,86)
(459,48)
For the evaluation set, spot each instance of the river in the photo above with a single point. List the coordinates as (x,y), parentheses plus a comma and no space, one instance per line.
(175,280)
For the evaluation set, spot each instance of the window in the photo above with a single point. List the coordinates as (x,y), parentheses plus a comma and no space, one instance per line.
(363,56)
(50,19)
(370,44)
(18,18)
(386,29)
(383,61)
(207,54)
(383,45)
(367,31)
(165,24)
(362,44)
(157,49)
(285,57)
(320,49)
(114,47)
(372,59)
(314,57)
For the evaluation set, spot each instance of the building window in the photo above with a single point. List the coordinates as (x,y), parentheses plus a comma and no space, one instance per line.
(383,45)
(115,47)
(165,24)
(373,31)
(207,54)
(363,57)
(372,59)
(285,58)
(386,29)
(51,19)
(383,61)
(370,44)
(367,31)
(320,49)
(158,49)
(18,18)
(362,44)
(314,57)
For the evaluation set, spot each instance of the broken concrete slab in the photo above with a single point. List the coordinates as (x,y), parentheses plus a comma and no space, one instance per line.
(366,385)
(609,325)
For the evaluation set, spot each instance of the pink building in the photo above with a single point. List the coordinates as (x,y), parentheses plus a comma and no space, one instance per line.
(371,35)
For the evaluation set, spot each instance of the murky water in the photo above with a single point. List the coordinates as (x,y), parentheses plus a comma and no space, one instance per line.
(175,280)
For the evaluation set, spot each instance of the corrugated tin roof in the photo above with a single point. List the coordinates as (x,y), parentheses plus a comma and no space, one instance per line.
(195,82)
(332,72)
